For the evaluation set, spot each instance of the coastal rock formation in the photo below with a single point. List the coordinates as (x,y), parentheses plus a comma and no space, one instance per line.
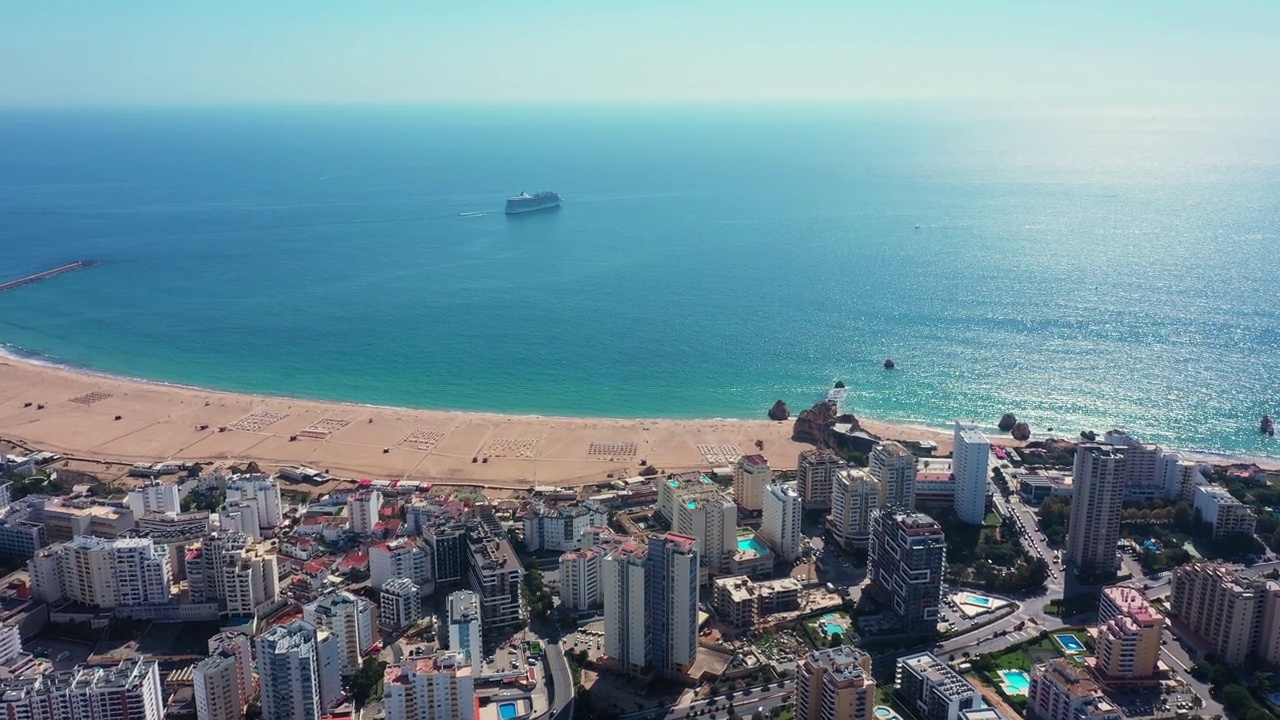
(839,385)
(1007,421)
(1088,435)
(1267,427)
(817,426)
(889,364)
(1021,431)
(813,425)
(779,411)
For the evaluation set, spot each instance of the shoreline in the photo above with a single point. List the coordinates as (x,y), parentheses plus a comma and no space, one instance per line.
(162,421)
(159,421)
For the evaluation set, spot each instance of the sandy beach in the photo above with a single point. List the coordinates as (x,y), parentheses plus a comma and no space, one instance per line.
(161,422)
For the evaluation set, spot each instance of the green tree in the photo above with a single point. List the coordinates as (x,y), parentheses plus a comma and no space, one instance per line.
(367,681)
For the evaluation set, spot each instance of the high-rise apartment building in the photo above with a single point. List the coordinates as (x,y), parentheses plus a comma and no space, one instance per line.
(264,492)
(1180,477)
(399,604)
(216,684)
(362,511)
(671,602)
(835,684)
(1238,615)
(1143,467)
(298,671)
(626,635)
(464,626)
(1094,529)
(351,621)
(932,689)
(496,575)
(907,559)
(651,604)
(402,557)
(1225,514)
(239,646)
(780,521)
(128,691)
(894,468)
(229,568)
(855,497)
(750,474)
(153,496)
(560,529)
(580,578)
(705,514)
(125,572)
(815,475)
(438,688)
(971,467)
(1128,634)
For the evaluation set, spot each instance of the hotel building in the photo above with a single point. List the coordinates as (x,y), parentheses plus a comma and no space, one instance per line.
(1227,515)
(1128,635)
(835,684)
(1094,528)
(1238,616)
(750,474)
(907,559)
(780,521)
(894,468)
(438,688)
(855,497)
(815,476)
(932,689)
(971,466)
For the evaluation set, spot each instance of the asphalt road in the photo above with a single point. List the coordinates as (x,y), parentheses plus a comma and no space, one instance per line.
(561,681)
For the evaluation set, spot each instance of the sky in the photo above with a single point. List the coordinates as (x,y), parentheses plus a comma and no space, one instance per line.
(1078,53)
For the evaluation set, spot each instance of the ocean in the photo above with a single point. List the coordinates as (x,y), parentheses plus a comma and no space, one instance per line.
(1084,272)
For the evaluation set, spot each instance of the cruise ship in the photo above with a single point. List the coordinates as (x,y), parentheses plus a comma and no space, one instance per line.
(524,202)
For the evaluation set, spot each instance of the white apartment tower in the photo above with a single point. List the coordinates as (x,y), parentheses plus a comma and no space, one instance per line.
(626,636)
(1099,482)
(362,511)
(712,519)
(439,688)
(217,688)
(297,671)
(855,496)
(241,647)
(750,474)
(399,604)
(103,573)
(894,468)
(780,521)
(262,490)
(402,557)
(153,496)
(350,619)
(970,465)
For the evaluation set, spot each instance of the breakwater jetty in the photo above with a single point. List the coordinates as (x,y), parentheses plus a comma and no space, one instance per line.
(13,284)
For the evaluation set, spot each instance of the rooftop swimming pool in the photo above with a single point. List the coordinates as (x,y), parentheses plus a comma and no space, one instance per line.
(507,710)
(1069,643)
(752,544)
(1016,682)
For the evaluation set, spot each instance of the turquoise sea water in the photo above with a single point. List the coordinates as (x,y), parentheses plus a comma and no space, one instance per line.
(1082,272)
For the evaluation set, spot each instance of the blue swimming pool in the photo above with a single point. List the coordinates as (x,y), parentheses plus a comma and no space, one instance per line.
(1069,643)
(834,629)
(754,545)
(507,710)
(1016,682)
(978,600)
